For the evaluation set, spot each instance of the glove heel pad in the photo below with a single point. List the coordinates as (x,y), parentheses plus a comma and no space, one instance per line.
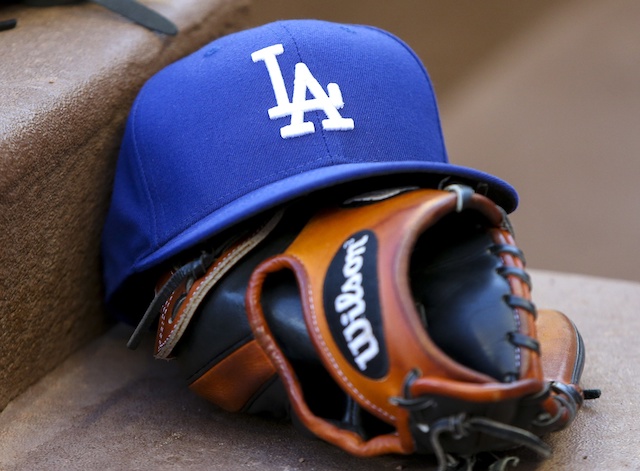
(233,382)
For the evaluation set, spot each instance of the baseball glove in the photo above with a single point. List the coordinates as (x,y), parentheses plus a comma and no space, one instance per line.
(399,321)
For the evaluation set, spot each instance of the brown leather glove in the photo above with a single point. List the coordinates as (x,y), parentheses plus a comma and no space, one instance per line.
(397,322)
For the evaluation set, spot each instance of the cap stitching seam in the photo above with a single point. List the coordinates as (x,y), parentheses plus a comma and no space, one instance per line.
(316,113)
(406,47)
(139,161)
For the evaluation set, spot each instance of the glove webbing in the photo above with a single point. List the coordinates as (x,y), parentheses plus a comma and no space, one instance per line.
(460,426)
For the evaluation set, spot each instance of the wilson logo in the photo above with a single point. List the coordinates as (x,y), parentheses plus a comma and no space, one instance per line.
(353,309)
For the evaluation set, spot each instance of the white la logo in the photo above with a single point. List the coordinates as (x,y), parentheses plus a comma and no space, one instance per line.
(296,108)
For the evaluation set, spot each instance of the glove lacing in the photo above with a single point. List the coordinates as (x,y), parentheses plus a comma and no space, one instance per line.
(461,425)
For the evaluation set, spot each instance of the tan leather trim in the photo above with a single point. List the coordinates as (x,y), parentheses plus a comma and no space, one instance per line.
(345,439)
(488,392)
(174,318)
(233,382)
(559,345)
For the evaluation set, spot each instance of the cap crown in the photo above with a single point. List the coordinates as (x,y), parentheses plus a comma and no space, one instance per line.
(259,117)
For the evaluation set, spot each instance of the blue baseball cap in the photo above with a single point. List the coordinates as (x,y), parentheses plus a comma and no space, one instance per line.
(261,117)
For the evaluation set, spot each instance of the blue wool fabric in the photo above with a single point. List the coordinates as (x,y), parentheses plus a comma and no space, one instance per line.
(263,116)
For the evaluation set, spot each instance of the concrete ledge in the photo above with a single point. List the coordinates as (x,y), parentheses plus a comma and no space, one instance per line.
(109,408)
(69,75)
(554,113)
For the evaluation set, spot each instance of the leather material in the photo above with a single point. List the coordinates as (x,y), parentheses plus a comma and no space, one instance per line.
(187,298)
(220,329)
(375,325)
(563,350)
(232,382)
(455,277)
(397,223)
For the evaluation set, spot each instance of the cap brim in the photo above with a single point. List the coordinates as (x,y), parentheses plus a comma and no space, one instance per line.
(288,189)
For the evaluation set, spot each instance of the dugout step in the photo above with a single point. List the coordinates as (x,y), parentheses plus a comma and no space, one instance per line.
(108,407)
(68,77)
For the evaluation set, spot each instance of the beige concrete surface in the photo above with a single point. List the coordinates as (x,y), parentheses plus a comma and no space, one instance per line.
(68,76)
(452,38)
(556,112)
(544,95)
(108,408)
